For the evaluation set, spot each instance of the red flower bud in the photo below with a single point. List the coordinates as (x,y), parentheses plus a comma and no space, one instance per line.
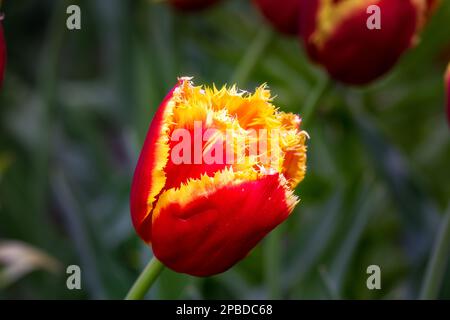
(192,5)
(447,90)
(283,15)
(349,40)
(203,216)
(2,54)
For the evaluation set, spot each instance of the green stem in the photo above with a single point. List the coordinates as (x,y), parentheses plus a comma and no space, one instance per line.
(438,261)
(251,56)
(145,280)
(314,99)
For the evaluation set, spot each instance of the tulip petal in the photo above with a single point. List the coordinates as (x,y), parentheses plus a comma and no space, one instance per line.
(149,177)
(205,232)
(283,15)
(336,35)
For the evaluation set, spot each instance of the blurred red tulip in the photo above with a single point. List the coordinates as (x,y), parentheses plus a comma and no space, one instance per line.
(2,54)
(283,15)
(192,5)
(203,216)
(341,35)
(447,89)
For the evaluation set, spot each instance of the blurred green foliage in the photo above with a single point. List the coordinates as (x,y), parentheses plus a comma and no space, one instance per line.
(75,107)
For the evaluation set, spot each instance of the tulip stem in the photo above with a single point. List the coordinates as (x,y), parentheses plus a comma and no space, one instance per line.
(145,280)
(250,58)
(314,99)
(438,261)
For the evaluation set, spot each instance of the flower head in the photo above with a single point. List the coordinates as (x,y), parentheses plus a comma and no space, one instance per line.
(358,41)
(215,175)
(283,15)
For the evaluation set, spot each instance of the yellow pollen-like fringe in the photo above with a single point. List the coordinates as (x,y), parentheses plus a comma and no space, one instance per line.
(240,113)
(161,158)
(205,185)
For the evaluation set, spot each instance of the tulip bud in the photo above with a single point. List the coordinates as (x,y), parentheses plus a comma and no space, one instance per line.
(2,53)
(283,15)
(192,5)
(215,175)
(447,89)
(358,41)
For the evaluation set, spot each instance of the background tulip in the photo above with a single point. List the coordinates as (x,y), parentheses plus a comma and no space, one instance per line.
(203,218)
(2,54)
(283,15)
(192,5)
(336,35)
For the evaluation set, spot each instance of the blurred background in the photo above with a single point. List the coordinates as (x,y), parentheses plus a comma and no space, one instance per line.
(74,109)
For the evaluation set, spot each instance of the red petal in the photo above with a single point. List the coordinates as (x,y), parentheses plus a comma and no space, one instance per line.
(213,232)
(283,15)
(181,173)
(356,55)
(143,175)
(308,18)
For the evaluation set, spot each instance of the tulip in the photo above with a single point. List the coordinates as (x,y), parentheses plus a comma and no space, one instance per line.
(2,53)
(336,34)
(447,89)
(202,216)
(192,5)
(283,15)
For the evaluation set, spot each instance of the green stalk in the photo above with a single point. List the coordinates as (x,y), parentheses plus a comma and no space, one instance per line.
(438,261)
(145,280)
(251,56)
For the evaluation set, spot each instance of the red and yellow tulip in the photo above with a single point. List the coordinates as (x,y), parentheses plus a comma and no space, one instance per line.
(202,216)
(336,35)
(283,15)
